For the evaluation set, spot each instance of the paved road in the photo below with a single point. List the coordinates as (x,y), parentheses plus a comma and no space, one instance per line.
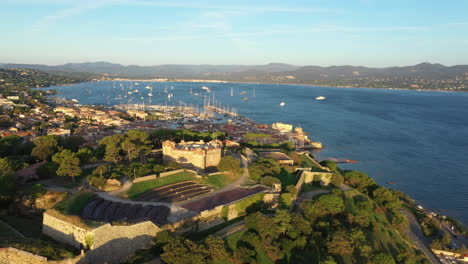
(416,234)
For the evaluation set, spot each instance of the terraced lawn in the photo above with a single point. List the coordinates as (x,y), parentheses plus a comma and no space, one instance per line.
(141,187)
(218,181)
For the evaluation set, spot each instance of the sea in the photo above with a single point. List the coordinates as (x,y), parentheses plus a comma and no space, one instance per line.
(412,141)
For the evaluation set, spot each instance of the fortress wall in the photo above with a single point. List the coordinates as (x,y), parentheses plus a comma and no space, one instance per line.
(168,173)
(11,255)
(63,231)
(146,178)
(114,244)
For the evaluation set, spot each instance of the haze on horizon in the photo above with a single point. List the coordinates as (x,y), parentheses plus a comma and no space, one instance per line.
(145,32)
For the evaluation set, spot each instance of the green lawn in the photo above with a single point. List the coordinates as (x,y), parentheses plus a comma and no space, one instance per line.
(218,181)
(307,162)
(140,187)
(74,203)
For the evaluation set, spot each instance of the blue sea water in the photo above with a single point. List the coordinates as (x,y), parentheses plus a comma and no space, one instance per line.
(416,139)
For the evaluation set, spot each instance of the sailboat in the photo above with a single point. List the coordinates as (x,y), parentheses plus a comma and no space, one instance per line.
(151,93)
(232,92)
(254,96)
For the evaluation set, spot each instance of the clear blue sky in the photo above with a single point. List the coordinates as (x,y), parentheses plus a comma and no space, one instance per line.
(303,32)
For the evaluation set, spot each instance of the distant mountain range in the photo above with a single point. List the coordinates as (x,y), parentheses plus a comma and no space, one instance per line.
(356,76)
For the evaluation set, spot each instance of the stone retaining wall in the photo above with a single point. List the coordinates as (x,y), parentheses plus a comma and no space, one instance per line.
(109,244)
(168,173)
(146,178)
(11,255)
(63,231)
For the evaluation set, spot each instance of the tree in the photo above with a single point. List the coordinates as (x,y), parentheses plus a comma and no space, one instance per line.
(387,198)
(360,180)
(101,170)
(285,200)
(73,143)
(112,147)
(340,244)
(333,166)
(85,155)
(328,204)
(68,162)
(383,258)
(46,146)
(216,249)
(264,167)
(291,189)
(329,260)
(269,181)
(229,164)
(7,185)
(6,166)
(337,180)
(182,251)
(136,143)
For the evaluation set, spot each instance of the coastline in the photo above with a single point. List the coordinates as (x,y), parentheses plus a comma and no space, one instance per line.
(251,82)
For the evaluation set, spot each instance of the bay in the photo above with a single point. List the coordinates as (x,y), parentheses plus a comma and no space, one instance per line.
(417,140)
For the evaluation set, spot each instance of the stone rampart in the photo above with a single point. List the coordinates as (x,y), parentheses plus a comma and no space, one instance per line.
(11,255)
(64,231)
(169,173)
(146,178)
(310,176)
(114,244)
(109,244)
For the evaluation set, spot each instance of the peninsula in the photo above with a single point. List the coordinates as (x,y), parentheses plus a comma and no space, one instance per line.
(90,184)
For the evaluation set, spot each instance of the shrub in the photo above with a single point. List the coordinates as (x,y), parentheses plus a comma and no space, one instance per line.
(285,200)
(47,170)
(37,191)
(269,181)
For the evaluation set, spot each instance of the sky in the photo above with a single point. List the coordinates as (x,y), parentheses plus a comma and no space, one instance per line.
(375,33)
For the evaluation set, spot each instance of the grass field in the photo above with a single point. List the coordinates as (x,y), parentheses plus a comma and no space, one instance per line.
(74,203)
(140,187)
(218,181)
(307,162)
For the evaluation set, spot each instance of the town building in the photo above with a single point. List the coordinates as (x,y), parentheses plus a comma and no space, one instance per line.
(195,155)
(281,127)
